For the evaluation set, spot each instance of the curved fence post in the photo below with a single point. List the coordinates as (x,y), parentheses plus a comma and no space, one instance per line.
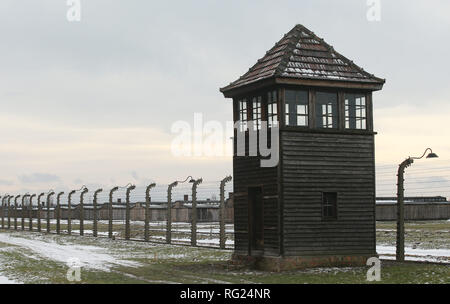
(39,211)
(23,211)
(147,212)
(4,199)
(9,211)
(48,210)
(110,212)
(95,228)
(194,212)
(127,212)
(69,212)
(81,208)
(30,213)
(222,211)
(15,211)
(169,213)
(57,212)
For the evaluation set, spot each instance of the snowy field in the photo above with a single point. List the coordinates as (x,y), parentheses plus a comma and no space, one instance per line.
(31,257)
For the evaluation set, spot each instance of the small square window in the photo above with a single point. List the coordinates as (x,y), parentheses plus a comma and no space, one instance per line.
(329,205)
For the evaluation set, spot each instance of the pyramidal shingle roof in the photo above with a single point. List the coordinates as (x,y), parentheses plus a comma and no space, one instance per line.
(300,54)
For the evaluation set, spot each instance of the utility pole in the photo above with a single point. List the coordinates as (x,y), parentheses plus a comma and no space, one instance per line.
(400,248)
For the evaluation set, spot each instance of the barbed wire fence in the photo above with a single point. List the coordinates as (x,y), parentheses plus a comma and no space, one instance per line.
(189,212)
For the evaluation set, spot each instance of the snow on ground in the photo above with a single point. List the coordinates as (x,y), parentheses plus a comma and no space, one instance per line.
(89,256)
(5,280)
(418,254)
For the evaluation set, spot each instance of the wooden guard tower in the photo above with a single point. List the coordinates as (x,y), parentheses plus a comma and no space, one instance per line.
(317,206)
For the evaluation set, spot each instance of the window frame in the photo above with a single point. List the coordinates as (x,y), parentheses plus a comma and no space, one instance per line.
(243,114)
(335,206)
(296,105)
(272,103)
(335,118)
(257,112)
(358,116)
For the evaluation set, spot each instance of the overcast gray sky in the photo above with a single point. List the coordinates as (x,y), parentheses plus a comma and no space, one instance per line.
(93,101)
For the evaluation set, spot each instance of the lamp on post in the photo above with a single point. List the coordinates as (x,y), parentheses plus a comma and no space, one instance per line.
(400,246)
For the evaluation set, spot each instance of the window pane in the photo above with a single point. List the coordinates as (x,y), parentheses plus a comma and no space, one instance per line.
(355,111)
(329,205)
(297,108)
(256,117)
(326,110)
(243,115)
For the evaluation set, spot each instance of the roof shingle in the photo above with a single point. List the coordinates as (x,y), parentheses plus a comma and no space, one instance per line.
(301,54)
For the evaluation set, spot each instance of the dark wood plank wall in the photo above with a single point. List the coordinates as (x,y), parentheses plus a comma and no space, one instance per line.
(248,173)
(313,163)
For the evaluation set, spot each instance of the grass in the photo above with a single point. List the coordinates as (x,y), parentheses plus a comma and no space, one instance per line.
(160,263)
(420,234)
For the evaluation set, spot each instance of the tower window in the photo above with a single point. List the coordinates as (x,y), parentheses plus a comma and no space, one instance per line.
(355,111)
(243,115)
(272,109)
(256,110)
(329,205)
(297,108)
(326,110)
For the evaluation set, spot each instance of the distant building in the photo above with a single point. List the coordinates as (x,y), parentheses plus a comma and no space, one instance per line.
(416,208)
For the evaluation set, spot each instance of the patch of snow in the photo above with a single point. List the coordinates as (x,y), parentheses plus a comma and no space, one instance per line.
(418,254)
(89,256)
(5,280)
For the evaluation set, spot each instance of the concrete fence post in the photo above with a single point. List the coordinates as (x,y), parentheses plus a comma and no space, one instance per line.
(15,211)
(30,213)
(81,209)
(110,212)
(95,228)
(127,212)
(48,210)
(3,210)
(147,212)
(69,212)
(222,235)
(194,212)
(9,211)
(58,212)
(23,211)
(39,211)
(169,213)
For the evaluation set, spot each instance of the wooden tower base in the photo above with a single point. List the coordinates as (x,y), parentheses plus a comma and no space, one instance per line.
(286,263)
